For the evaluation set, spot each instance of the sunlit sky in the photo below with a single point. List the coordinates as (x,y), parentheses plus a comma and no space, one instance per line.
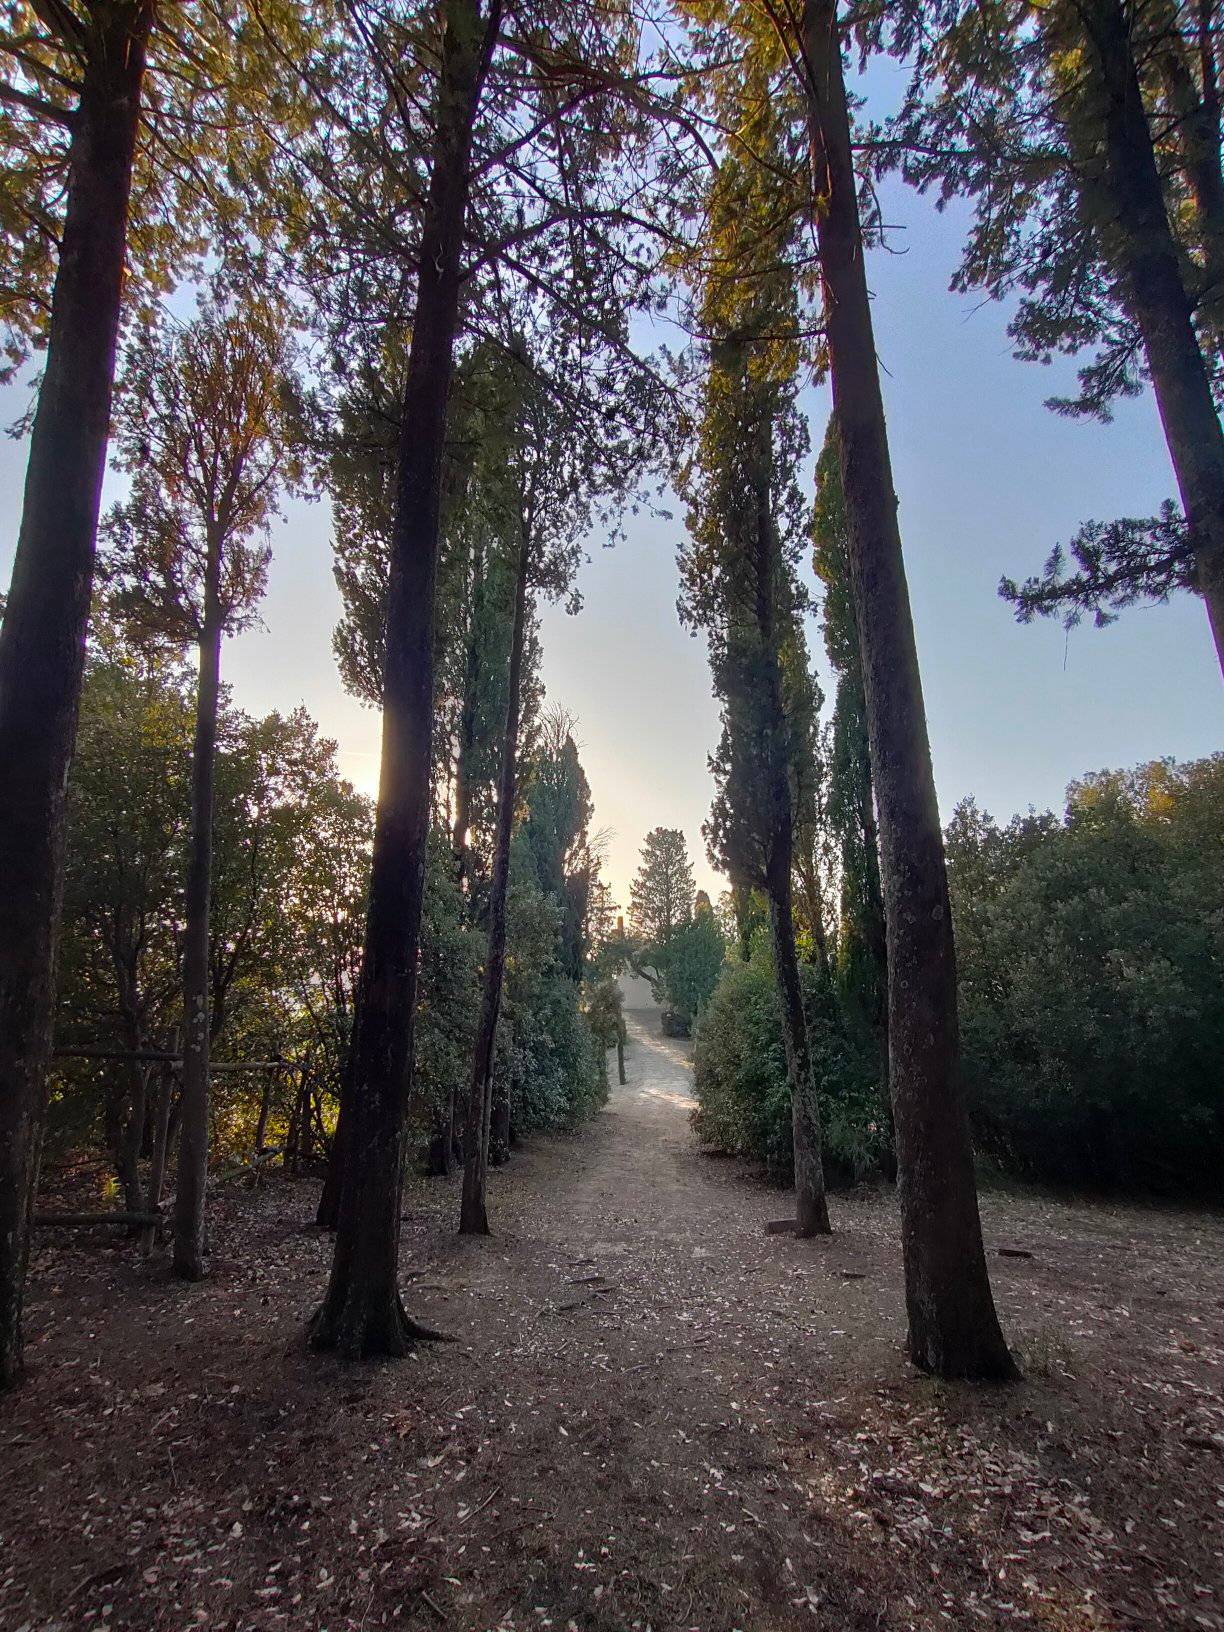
(988,480)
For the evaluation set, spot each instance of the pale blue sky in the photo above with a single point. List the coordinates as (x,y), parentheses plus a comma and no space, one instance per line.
(988,479)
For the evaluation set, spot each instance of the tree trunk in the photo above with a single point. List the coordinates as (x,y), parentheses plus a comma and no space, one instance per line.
(327,1217)
(42,639)
(953,1328)
(447,1162)
(1148,256)
(620,1062)
(161,1143)
(467,739)
(811,1207)
(265,1108)
(473,1214)
(192,1174)
(499,1123)
(362,1314)
(133,1138)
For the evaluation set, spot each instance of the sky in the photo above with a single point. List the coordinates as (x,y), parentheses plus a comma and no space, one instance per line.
(988,480)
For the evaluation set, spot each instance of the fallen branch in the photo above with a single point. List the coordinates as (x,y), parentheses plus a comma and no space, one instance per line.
(491,1497)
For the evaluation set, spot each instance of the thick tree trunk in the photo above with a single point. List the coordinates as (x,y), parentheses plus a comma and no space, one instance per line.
(1148,255)
(953,1327)
(362,1314)
(473,1214)
(43,634)
(192,1174)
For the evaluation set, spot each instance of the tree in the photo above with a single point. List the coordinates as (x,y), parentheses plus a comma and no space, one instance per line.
(556,462)
(42,637)
(1087,947)
(119,966)
(1089,133)
(72,95)
(661,895)
(862,952)
(746,523)
(203,437)
(953,1327)
(362,1313)
(694,961)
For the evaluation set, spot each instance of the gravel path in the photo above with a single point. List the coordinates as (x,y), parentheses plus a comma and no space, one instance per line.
(654,1415)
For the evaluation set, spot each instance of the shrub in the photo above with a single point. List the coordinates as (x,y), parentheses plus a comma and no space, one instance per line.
(740,1082)
(1091,956)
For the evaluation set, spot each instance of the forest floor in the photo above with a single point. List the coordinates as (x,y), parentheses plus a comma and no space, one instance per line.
(654,1415)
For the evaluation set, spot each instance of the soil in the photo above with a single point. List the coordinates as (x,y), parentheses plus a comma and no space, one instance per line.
(654,1415)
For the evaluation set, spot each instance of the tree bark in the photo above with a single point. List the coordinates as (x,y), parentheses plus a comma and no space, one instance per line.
(192,1175)
(473,1214)
(43,634)
(620,1062)
(953,1328)
(362,1314)
(1162,307)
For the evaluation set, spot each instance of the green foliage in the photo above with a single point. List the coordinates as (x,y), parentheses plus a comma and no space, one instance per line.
(691,965)
(291,852)
(545,1048)
(1090,953)
(740,1081)
(662,893)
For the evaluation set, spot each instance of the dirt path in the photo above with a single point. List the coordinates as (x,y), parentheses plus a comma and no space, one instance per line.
(654,1416)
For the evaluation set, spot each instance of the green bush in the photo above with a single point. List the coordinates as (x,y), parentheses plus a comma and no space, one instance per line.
(1091,958)
(743,1098)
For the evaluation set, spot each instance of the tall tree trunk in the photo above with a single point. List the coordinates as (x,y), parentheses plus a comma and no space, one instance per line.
(362,1314)
(953,1328)
(473,1213)
(42,638)
(1147,253)
(811,1206)
(467,739)
(192,1175)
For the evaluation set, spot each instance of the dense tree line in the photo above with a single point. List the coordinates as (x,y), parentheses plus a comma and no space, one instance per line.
(420,232)
(1088,948)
